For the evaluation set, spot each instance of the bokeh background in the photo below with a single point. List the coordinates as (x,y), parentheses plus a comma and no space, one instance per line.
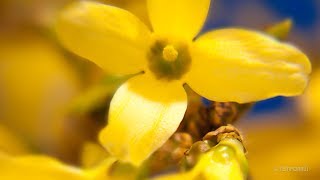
(52,101)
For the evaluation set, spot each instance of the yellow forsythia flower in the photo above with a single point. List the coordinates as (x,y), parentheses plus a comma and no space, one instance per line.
(35,167)
(222,65)
(36,86)
(47,168)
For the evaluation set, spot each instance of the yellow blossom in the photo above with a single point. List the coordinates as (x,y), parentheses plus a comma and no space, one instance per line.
(17,162)
(222,65)
(37,84)
(48,168)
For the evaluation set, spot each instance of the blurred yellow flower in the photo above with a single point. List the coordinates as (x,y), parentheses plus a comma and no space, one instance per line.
(310,102)
(48,168)
(284,150)
(222,65)
(37,83)
(35,167)
(17,163)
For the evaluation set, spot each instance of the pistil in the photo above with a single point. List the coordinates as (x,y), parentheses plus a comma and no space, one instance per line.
(169,53)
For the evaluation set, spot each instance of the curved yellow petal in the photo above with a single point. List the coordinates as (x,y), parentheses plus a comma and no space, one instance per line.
(143,114)
(36,167)
(244,66)
(112,38)
(183,18)
(48,168)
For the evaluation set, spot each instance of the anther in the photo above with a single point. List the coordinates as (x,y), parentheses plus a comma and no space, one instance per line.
(169,53)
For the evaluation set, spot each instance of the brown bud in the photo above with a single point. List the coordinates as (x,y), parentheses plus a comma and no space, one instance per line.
(201,119)
(170,154)
(223,132)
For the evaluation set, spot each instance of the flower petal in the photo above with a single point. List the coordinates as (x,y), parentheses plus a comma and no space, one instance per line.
(143,114)
(10,143)
(244,66)
(36,167)
(48,168)
(183,18)
(111,37)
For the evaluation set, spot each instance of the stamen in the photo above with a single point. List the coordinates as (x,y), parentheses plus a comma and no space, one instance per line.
(169,53)
(168,61)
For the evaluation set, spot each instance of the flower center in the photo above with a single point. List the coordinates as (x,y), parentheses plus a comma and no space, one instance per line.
(169,53)
(169,60)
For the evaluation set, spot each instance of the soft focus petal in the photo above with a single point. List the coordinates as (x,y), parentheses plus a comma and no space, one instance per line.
(47,168)
(183,18)
(10,143)
(36,86)
(310,102)
(111,37)
(143,114)
(244,66)
(92,154)
(36,167)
